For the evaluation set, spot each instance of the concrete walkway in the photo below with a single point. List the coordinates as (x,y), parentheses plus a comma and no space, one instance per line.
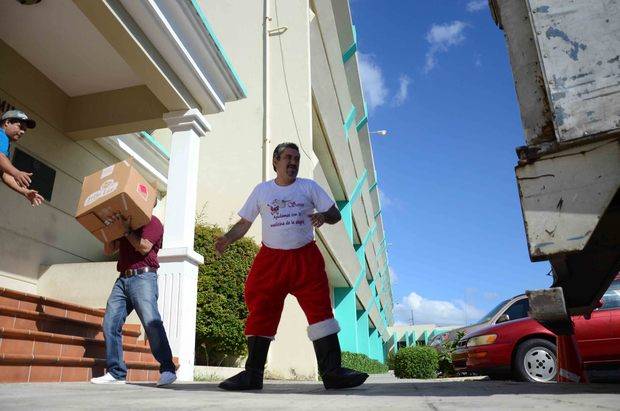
(380,392)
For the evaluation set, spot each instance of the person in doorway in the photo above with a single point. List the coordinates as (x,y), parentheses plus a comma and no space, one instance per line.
(289,262)
(14,124)
(135,289)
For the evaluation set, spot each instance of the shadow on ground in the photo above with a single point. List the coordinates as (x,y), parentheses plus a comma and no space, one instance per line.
(416,388)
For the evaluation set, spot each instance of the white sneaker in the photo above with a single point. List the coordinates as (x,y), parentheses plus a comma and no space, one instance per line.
(166,378)
(106,379)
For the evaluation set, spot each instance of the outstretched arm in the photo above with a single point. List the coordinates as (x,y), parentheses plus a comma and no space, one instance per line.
(236,232)
(331,216)
(21,177)
(32,196)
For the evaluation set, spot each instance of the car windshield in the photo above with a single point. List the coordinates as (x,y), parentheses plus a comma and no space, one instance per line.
(492,313)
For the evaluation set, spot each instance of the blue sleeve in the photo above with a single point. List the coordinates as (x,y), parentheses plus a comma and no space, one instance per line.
(4,144)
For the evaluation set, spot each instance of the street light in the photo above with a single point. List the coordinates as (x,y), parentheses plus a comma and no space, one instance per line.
(379,132)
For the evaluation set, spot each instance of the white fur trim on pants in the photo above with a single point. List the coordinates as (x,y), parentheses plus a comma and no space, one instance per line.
(323,329)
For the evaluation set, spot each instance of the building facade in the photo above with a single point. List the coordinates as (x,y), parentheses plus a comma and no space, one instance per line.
(107,80)
(302,75)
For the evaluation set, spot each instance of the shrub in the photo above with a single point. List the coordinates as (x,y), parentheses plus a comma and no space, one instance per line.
(445,350)
(390,360)
(363,363)
(221,310)
(416,362)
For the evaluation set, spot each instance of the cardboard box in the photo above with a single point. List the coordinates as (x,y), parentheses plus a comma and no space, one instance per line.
(118,188)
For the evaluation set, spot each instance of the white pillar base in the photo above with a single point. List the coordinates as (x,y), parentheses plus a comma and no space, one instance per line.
(178,287)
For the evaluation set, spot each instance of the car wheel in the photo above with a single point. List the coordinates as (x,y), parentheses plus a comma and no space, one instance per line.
(536,361)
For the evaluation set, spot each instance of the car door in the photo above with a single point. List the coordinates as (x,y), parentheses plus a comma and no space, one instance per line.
(599,336)
(611,302)
(593,335)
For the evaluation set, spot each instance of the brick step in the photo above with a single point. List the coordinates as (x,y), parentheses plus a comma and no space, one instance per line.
(47,320)
(50,368)
(17,341)
(18,299)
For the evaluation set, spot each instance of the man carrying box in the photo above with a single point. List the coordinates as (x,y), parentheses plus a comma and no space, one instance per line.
(135,289)
(13,125)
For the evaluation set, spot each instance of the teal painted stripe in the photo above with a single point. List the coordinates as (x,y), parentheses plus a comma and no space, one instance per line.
(345,312)
(155,144)
(360,276)
(361,123)
(375,300)
(347,217)
(348,121)
(369,234)
(377,214)
(349,53)
(352,48)
(358,187)
(363,120)
(203,17)
(372,187)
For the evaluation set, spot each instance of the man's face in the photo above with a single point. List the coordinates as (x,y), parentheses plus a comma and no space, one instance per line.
(288,164)
(14,129)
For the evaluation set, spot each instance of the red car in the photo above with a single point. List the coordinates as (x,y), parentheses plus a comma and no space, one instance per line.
(527,350)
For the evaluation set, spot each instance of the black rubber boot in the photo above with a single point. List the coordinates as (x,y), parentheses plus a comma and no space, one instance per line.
(334,376)
(252,377)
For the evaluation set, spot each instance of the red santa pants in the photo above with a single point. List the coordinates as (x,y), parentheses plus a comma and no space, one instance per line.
(276,273)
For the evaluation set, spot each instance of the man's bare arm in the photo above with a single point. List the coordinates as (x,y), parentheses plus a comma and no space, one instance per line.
(21,177)
(32,196)
(237,231)
(141,245)
(331,216)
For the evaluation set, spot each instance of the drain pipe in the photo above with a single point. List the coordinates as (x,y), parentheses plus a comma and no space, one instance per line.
(266,111)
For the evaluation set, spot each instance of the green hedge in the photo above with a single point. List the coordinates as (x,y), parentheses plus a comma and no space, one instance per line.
(416,362)
(363,363)
(221,310)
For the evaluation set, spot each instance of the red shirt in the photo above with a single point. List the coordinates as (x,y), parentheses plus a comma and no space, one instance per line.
(128,257)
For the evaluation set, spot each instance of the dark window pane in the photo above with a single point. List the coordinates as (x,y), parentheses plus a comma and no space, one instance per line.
(518,310)
(43,176)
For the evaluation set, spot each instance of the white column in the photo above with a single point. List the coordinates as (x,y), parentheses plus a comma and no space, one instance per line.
(178,274)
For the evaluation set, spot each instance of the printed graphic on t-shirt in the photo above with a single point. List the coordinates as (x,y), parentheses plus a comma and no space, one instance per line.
(286,213)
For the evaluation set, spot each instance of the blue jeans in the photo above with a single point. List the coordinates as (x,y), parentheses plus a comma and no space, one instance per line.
(139,293)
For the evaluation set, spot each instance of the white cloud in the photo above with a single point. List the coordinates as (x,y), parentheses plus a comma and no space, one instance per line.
(441,37)
(476,5)
(491,296)
(389,201)
(393,276)
(373,82)
(384,199)
(440,312)
(403,90)
(478,60)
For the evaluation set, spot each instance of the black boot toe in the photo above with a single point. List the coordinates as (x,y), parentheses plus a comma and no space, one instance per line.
(245,380)
(343,378)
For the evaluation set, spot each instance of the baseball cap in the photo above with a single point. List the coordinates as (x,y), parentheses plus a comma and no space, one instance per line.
(18,115)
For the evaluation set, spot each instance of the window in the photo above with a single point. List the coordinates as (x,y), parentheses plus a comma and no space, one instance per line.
(611,298)
(43,176)
(518,310)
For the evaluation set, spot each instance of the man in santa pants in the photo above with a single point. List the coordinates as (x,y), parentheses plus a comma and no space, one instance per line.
(289,262)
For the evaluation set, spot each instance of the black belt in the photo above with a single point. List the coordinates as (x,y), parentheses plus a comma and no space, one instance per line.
(134,271)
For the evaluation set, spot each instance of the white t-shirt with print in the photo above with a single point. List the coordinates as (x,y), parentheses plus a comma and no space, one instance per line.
(285,211)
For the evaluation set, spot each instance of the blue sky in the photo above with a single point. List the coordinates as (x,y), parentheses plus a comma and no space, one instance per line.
(436,75)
